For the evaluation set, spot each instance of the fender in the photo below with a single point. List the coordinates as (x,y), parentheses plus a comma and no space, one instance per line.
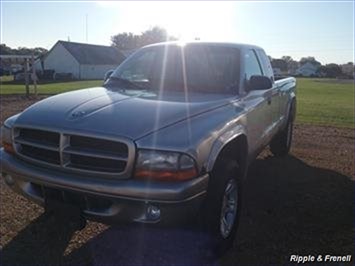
(221,142)
(293,107)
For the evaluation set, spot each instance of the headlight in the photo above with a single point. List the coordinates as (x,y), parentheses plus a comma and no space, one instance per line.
(164,166)
(6,134)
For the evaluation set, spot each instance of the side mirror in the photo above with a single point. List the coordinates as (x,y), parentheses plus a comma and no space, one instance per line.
(108,74)
(257,82)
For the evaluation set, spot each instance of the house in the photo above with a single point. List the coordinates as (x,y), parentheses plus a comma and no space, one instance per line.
(277,71)
(81,60)
(307,70)
(348,70)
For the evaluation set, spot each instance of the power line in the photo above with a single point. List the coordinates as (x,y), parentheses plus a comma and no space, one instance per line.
(311,51)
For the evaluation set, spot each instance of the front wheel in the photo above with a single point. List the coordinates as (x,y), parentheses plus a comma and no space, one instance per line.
(229,208)
(222,206)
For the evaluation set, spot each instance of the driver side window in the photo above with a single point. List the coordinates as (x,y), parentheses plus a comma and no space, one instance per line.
(252,66)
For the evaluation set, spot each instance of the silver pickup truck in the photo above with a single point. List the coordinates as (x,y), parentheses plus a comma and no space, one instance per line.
(168,137)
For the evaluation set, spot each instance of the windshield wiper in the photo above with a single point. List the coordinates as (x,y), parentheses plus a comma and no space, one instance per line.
(124,81)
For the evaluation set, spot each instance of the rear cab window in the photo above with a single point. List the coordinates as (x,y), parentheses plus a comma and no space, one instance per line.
(265,64)
(251,64)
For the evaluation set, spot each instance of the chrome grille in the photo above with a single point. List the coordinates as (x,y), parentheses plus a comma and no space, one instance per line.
(74,152)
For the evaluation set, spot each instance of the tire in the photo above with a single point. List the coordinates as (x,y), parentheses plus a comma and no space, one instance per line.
(281,143)
(221,220)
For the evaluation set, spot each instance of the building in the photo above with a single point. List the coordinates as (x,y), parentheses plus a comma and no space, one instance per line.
(81,60)
(348,70)
(307,70)
(277,71)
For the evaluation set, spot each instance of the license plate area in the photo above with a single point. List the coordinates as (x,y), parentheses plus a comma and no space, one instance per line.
(63,203)
(63,199)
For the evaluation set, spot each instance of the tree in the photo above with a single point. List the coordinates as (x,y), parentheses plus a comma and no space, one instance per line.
(348,70)
(129,41)
(330,70)
(287,58)
(309,59)
(292,65)
(5,50)
(125,41)
(38,51)
(155,35)
(280,64)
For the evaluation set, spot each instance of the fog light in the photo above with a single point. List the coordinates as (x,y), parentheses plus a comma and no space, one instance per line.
(153,212)
(8,179)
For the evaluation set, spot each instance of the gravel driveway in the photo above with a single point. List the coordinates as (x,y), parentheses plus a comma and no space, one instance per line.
(302,204)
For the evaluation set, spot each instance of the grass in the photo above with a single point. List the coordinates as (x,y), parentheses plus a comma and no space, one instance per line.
(320,101)
(7,86)
(325,102)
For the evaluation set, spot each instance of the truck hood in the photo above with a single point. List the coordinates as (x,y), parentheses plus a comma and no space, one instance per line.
(127,113)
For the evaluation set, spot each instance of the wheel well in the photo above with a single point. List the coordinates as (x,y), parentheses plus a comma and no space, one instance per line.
(293,107)
(236,149)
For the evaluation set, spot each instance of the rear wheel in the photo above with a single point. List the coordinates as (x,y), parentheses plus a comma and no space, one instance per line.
(223,206)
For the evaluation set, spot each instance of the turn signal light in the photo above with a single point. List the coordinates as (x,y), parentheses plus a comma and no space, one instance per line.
(8,147)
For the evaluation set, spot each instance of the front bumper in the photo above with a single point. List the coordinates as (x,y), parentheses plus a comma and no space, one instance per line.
(103,199)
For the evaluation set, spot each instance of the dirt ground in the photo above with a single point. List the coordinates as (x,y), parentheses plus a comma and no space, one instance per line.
(302,204)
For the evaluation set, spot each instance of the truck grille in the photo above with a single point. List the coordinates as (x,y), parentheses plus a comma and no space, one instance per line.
(71,151)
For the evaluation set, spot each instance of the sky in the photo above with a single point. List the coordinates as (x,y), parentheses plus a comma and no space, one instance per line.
(323,29)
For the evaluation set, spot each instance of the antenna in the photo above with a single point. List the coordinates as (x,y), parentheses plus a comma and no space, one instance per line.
(86,26)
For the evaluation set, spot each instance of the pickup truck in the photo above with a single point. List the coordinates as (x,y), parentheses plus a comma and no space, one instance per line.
(169,136)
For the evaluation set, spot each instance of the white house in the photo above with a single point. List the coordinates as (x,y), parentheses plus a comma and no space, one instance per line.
(83,61)
(277,71)
(307,70)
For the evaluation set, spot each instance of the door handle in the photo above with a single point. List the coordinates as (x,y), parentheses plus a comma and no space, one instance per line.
(269,100)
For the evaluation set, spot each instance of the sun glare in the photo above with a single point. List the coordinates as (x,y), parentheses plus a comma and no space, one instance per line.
(212,21)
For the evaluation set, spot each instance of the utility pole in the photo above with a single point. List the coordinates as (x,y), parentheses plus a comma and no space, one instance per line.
(34,75)
(26,78)
(86,26)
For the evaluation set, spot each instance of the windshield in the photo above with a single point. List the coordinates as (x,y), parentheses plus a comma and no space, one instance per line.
(193,67)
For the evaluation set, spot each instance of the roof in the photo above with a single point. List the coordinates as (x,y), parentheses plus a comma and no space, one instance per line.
(222,44)
(127,53)
(90,54)
(308,66)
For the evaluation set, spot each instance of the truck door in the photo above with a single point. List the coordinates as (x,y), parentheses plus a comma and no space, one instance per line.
(275,91)
(257,103)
